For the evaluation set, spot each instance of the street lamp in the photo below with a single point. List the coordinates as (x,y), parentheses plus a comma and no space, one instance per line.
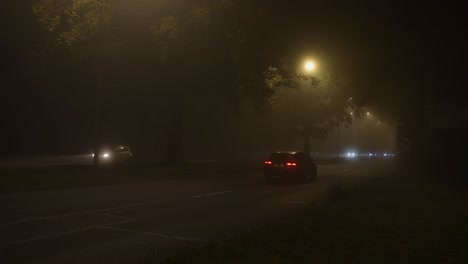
(309,66)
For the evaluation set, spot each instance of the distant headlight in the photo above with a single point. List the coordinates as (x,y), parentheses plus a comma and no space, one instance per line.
(92,155)
(106,155)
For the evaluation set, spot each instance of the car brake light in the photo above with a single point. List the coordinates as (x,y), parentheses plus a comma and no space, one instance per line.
(291,164)
(268,162)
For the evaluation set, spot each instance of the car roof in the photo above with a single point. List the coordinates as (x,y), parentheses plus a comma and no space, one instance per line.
(287,152)
(113,146)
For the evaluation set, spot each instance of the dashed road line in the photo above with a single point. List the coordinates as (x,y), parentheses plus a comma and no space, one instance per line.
(111,209)
(119,216)
(49,218)
(153,234)
(295,202)
(134,231)
(211,194)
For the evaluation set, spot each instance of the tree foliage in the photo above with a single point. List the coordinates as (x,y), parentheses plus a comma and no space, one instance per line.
(210,53)
(213,45)
(75,24)
(315,107)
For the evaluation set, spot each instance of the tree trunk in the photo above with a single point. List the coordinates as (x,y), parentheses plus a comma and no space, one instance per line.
(174,152)
(306,142)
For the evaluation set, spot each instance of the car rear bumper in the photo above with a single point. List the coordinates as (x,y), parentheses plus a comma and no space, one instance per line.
(280,173)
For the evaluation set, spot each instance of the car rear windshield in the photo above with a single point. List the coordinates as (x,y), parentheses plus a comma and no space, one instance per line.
(279,157)
(121,149)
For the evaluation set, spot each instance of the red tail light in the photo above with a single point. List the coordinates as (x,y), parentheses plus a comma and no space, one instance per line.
(267,162)
(291,164)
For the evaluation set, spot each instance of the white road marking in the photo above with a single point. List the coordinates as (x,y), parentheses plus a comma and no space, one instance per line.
(211,194)
(27,220)
(119,216)
(106,211)
(111,210)
(61,233)
(125,206)
(190,239)
(152,234)
(139,207)
(134,231)
(295,202)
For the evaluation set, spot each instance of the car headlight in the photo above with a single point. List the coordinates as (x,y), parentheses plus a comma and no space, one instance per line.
(105,155)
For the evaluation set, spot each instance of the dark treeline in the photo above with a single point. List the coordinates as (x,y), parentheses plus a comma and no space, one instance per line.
(206,62)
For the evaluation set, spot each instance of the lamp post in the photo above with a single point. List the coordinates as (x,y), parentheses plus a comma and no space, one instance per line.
(309,66)
(99,83)
(362,126)
(338,147)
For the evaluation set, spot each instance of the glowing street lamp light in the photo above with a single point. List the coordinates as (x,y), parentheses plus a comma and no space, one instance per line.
(309,66)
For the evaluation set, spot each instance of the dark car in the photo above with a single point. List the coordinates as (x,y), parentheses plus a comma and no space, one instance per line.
(290,164)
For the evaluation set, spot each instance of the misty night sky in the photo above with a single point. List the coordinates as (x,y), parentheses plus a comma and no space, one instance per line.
(394,50)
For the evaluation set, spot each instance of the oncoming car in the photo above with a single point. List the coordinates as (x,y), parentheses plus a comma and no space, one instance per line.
(290,164)
(116,154)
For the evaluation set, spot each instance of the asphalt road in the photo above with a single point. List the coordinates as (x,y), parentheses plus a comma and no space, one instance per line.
(85,159)
(133,223)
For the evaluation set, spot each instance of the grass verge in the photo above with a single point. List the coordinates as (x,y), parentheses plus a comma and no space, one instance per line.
(390,220)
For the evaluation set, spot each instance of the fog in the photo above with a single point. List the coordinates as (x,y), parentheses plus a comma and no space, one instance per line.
(207,93)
